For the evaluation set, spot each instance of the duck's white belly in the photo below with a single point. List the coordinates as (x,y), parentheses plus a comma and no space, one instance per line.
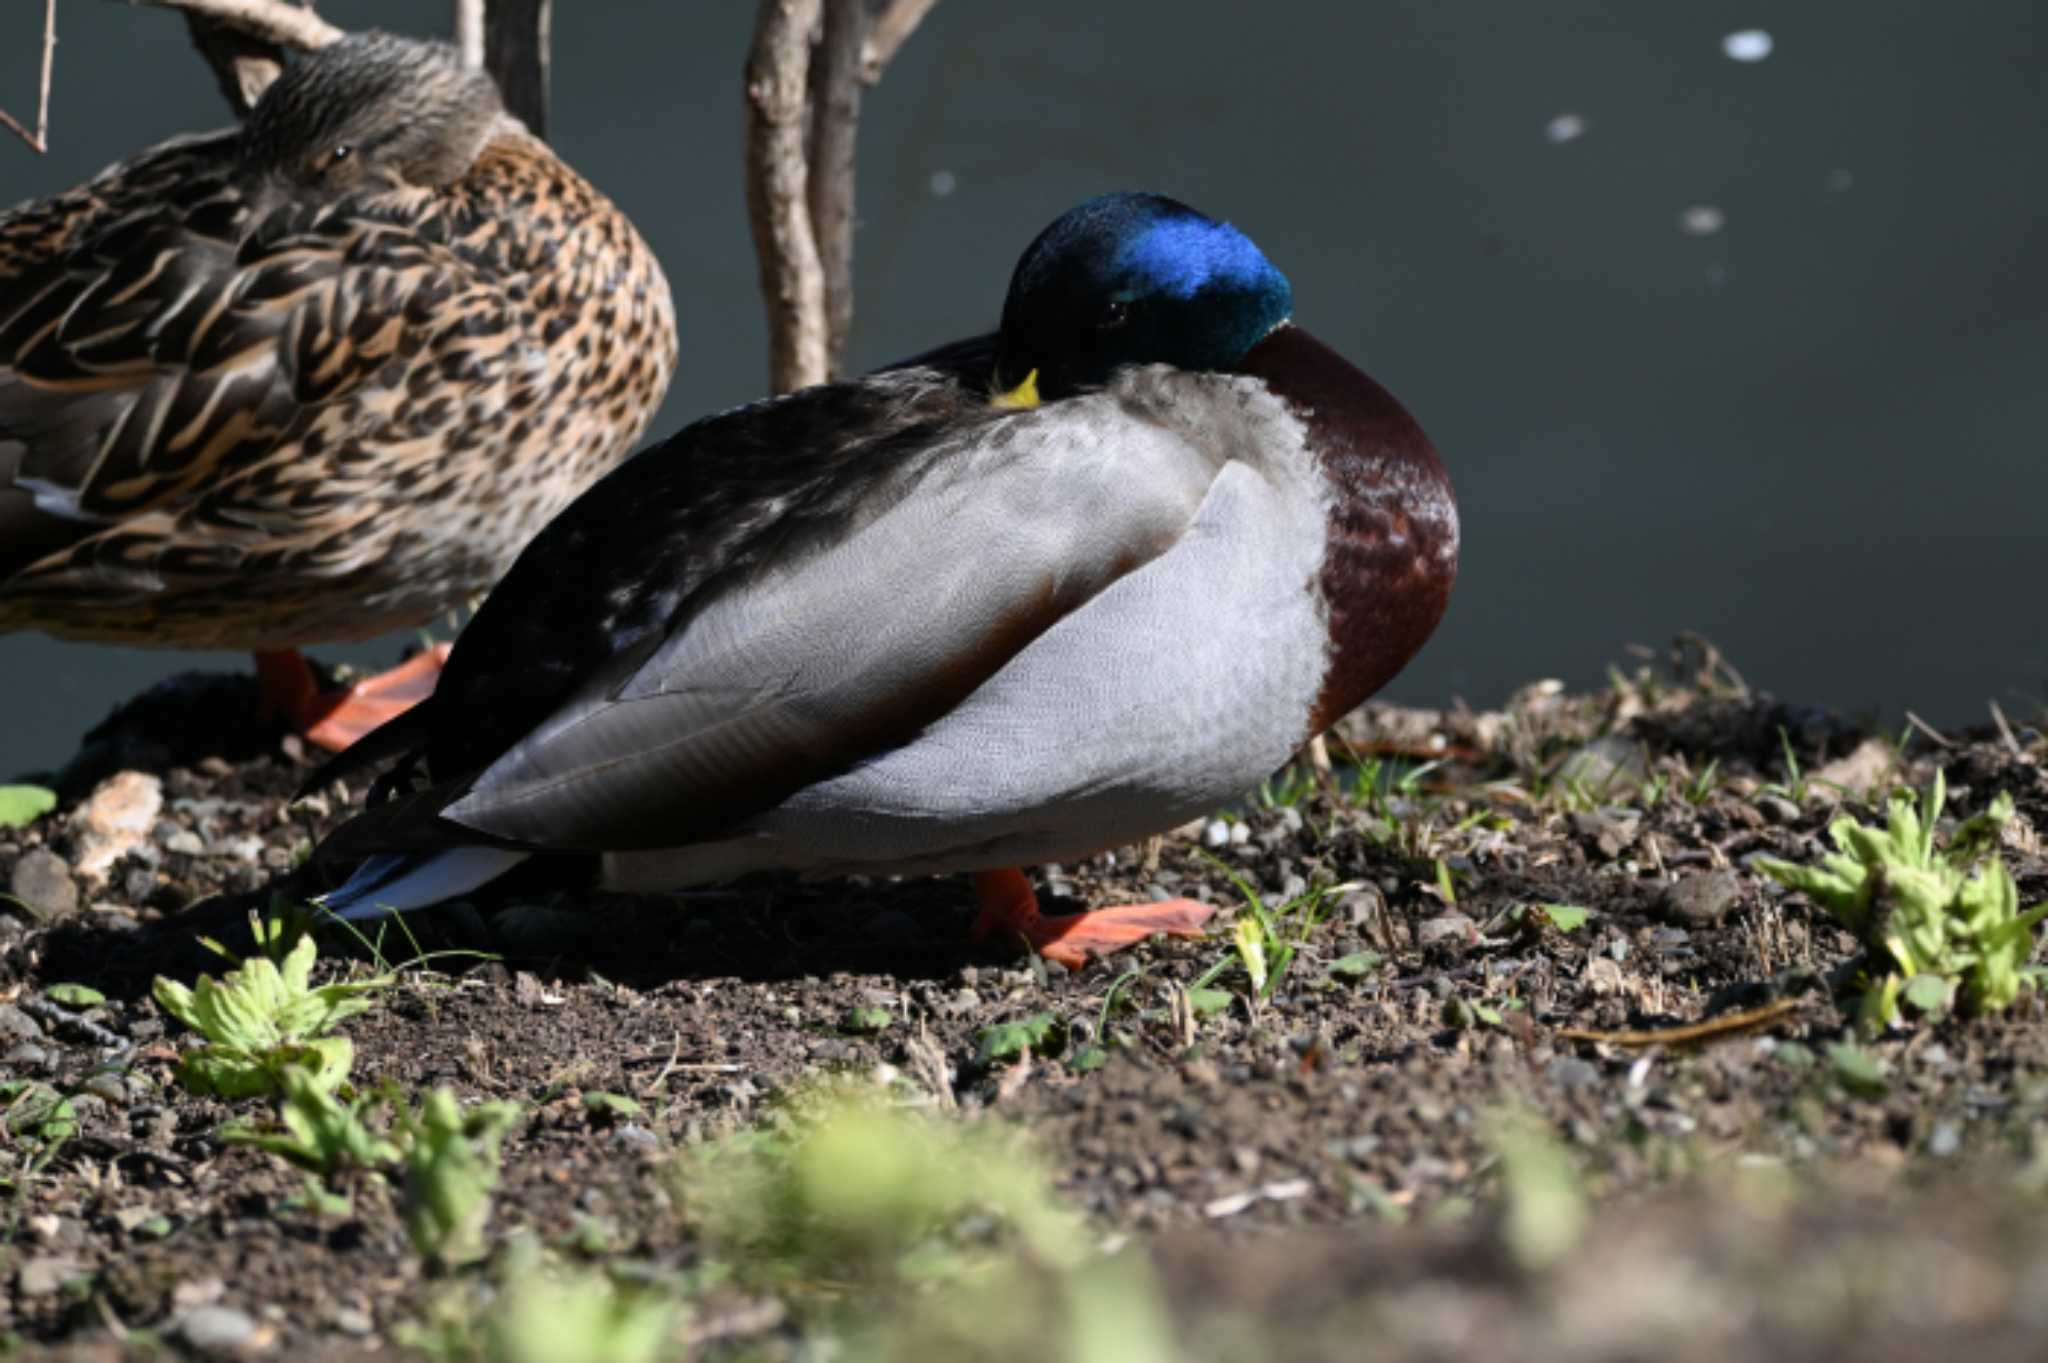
(1171,692)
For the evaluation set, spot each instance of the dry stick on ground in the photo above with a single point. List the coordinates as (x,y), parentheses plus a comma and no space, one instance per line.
(801,129)
(40,139)
(244,41)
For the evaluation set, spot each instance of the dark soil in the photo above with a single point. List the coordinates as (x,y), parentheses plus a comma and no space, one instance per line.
(1308,1171)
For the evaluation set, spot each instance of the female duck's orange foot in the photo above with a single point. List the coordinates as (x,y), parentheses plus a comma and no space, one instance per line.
(335,719)
(1010,909)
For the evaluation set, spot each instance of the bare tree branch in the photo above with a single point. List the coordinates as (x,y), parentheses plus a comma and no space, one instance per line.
(469,33)
(244,41)
(835,127)
(778,200)
(518,36)
(893,23)
(41,139)
(277,22)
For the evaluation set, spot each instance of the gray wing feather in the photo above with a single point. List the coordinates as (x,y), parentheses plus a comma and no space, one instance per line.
(848,652)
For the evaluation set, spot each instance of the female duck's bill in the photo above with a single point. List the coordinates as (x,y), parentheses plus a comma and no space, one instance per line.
(889,626)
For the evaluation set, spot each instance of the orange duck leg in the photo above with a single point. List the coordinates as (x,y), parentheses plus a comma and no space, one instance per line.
(335,719)
(1010,908)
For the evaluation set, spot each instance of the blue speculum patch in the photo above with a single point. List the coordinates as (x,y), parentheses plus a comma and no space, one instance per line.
(1183,255)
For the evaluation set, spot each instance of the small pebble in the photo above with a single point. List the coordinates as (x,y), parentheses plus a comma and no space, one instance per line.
(185,844)
(1217,834)
(16,1025)
(1699,900)
(108,1087)
(42,1275)
(637,1137)
(351,1321)
(1779,809)
(248,848)
(27,1055)
(43,882)
(219,1331)
(1446,927)
(118,815)
(1944,1140)
(1571,1073)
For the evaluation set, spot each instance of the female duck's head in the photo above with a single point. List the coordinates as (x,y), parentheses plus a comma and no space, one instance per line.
(1133,279)
(372,110)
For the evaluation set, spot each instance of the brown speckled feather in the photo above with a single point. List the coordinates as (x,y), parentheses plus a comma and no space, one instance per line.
(234,413)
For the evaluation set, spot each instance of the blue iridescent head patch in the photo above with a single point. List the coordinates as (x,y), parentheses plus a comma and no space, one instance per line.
(1183,255)
(1135,279)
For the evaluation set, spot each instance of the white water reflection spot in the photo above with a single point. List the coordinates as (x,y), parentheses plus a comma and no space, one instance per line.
(1747,45)
(1565,128)
(1702,220)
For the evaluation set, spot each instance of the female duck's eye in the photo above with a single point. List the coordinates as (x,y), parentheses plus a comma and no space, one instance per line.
(1114,315)
(340,154)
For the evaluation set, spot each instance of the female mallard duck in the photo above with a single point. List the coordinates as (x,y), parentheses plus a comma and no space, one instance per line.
(316,378)
(894,625)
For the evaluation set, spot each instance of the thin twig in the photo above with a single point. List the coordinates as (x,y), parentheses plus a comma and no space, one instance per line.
(2005,732)
(778,200)
(894,22)
(1721,1028)
(468,25)
(517,37)
(41,140)
(271,21)
(245,41)
(835,126)
(1924,727)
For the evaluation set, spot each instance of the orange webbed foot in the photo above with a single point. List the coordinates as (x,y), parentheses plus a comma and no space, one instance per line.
(335,719)
(1010,908)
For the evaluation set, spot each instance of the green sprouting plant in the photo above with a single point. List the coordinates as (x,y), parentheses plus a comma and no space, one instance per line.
(265,1017)
(540,1310)
(853,1212)
(317,1130)
(1936,924)
(1261,942)
(36,1117)
(21,806)
(1543,1208)
(451,1158)
(1793,787)
(1701,788)
(1287,787)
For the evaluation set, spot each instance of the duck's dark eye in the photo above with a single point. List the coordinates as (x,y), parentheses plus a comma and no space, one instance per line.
(1115,314)
(341,153)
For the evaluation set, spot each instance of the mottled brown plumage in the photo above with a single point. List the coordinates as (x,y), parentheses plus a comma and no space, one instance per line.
(316,378)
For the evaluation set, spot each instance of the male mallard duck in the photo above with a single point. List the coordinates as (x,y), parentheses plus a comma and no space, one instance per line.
(316,378)
(894,625)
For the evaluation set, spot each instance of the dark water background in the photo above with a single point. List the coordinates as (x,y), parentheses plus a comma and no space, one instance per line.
(1815,434)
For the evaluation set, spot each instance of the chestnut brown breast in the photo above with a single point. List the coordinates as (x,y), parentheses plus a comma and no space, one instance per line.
(1393,548)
